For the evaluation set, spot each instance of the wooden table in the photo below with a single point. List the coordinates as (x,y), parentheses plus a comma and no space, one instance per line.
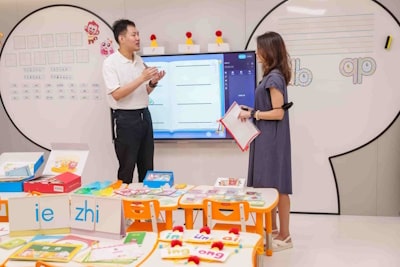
(270,196)
(147,247)
(167,203)
(242,255)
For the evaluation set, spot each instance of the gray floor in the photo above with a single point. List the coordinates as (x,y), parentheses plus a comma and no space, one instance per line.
(336,241)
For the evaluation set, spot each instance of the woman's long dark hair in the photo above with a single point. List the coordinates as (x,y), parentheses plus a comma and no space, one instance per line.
(272,50)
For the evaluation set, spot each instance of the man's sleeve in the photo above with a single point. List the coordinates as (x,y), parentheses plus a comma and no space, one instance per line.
(110,77)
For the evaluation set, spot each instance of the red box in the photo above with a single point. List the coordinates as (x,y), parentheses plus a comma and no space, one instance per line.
(63,169)
(63,183)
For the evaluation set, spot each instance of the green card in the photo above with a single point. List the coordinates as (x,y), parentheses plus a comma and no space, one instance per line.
(12,243)
(135,237)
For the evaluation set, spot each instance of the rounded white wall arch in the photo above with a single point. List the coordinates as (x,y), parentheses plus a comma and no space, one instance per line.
(344,86)
(51,84)
(50,76)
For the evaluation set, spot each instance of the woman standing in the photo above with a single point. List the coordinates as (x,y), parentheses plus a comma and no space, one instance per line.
(270,153)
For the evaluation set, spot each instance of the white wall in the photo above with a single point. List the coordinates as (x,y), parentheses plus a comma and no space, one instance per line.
(202,162)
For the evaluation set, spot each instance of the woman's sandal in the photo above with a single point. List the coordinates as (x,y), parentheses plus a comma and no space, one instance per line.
(278,245)
(275,233)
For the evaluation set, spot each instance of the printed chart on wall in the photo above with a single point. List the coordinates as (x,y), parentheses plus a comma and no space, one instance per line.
(50,76)
(344,57)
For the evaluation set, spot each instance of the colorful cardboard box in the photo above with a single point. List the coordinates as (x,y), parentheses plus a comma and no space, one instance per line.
(157,179)
(17,168)
(63,170)
(63,183)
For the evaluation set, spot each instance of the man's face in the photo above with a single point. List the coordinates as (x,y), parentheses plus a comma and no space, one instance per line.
(130,40)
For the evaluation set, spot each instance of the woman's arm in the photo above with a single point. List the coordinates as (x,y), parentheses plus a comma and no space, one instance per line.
(277,111)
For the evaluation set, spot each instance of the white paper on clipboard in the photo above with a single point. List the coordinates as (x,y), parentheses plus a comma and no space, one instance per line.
(243,132)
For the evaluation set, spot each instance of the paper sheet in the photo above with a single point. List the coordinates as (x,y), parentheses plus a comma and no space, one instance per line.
(243,132)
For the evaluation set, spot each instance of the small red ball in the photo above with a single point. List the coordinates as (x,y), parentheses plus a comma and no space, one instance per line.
(176,242)
(205,229)
(194,259)
(153,37)
(218,33)
(178,228)
(234,230)
(188,34)
(218,245)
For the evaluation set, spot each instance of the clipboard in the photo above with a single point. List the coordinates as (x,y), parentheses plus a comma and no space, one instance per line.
(242,132)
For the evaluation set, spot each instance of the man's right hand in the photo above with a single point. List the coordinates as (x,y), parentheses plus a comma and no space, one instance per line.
(148,73)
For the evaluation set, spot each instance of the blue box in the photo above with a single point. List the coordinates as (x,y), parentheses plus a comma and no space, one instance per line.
(12,163)
(157,179)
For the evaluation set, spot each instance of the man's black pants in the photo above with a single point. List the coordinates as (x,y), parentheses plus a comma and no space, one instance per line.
(134,143)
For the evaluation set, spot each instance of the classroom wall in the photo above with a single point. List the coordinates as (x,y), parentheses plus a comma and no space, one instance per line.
(368,178)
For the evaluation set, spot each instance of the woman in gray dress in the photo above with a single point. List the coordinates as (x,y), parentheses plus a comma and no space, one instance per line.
(270,154)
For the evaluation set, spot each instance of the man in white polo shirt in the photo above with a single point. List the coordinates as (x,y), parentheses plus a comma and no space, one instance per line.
(128,84)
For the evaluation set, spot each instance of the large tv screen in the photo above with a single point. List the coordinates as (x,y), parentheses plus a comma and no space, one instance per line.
(196,92)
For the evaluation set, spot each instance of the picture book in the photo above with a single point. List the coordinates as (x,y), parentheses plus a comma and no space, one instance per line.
(231,192)
(92,188)
(215,192)
(18,166)
(17,169)
(194,198)
(132,191)
(253,193)
(162,192)
(233,198)
(45,238)
(252,198)
(12,178)
(196,191)
(126,192)
(196,194)
(122,254)
(76,240)
(46,251)
(177,193)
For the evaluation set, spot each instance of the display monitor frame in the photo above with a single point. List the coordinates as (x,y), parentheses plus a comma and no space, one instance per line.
(196,92)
